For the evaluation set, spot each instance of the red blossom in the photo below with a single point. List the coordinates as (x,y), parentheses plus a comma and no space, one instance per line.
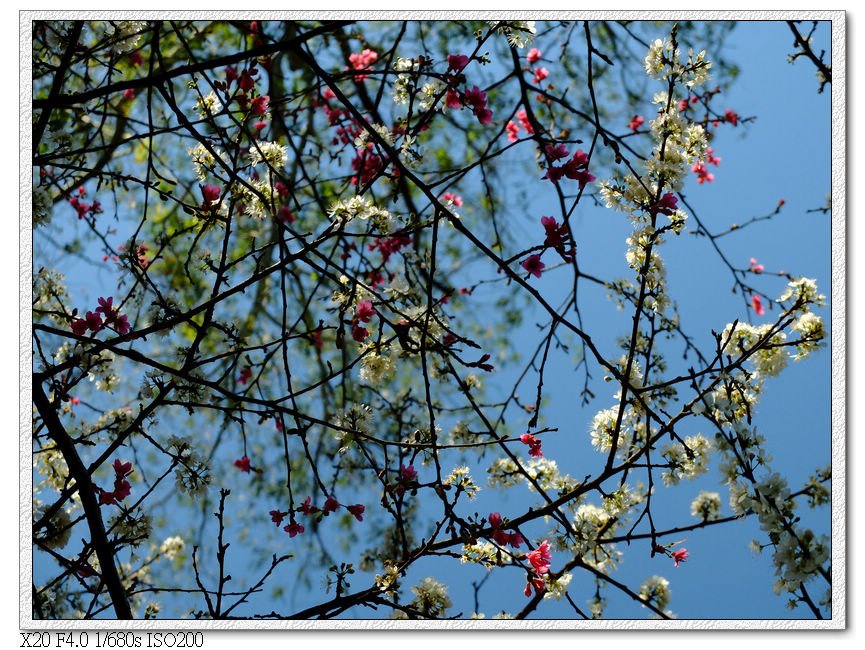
(541,74)
(534,445)
(359,333)
(636,122)
(330,505)
(407,473)
(533,56)
(512,131)
(357,511)
(243,464)
(731,116)
(260,105)
(276,516)
(523,116)
(540,558)
(365,311)
(307,508)
(495,520)
(533,265)
(293,529)
(245,375)
(211,195)
(456,199)
(757,303)
(703,175)
(457,62)
(679,556)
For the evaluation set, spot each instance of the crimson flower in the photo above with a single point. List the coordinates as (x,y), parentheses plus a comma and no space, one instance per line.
(757,304)
(276,516)
(533,265)
(534,55)
(293,529)
(679,556)
(637,121)
(242,464)
(357,511)
(365,310)
(534,445)
(457,62)
(330,505)
(260,105)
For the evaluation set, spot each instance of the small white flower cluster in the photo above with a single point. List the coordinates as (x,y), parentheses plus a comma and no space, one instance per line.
(504,472)
(358,207)
(430,95)
(100,370)
(663,61)
(376,365)
(460,478)
(706,506)
(404,84)
(518,32)
(58,530)
(686,461)
(365,138)
(486,554)
(51,466)
(208,105)
(656,590)
(203,161)
(272,153)
(192,476)
(769,360)
(171,547)
(556,589)
(127,34)
(431,598)
(49,294)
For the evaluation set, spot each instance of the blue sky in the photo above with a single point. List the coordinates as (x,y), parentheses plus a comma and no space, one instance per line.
(784,154)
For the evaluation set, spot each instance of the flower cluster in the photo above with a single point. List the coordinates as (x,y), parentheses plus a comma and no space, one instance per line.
(93,320)
(122,489)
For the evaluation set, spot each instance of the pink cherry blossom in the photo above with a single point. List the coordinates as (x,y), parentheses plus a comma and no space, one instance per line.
(260,105)
(512,131)
(365,310)
(243,464)
(636,122)
(534,445)
(679,556)
(757,303)
(533,265)
(533,56)
(756,268)
(457,62)
(293,529)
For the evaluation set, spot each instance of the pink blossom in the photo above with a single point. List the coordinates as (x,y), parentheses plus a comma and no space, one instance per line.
(452,99)
(556,234)
(533,265)
(457,62)
(211,195)
(93,320)
(276,516)
(757,303)
(534,445)
(79,327)
(679,556)
(122,469)
(359,333)
(365,310)
(756,268)
(556,151)
(540,558)
(515,540)
(330,505)
(512,131)
(407,473)
(541,74)
(456,199)
(362,61)
(667,205)
(703,175)
(711,157)
(533,56)
(293,529)
(357,511)
(260,105)
(731,116)
(683,105)
(495,520)
(636,122)
(243,464)
(245,375)
(307,508)
(526,123)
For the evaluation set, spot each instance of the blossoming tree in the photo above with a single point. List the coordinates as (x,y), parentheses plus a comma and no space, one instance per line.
(316,332)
